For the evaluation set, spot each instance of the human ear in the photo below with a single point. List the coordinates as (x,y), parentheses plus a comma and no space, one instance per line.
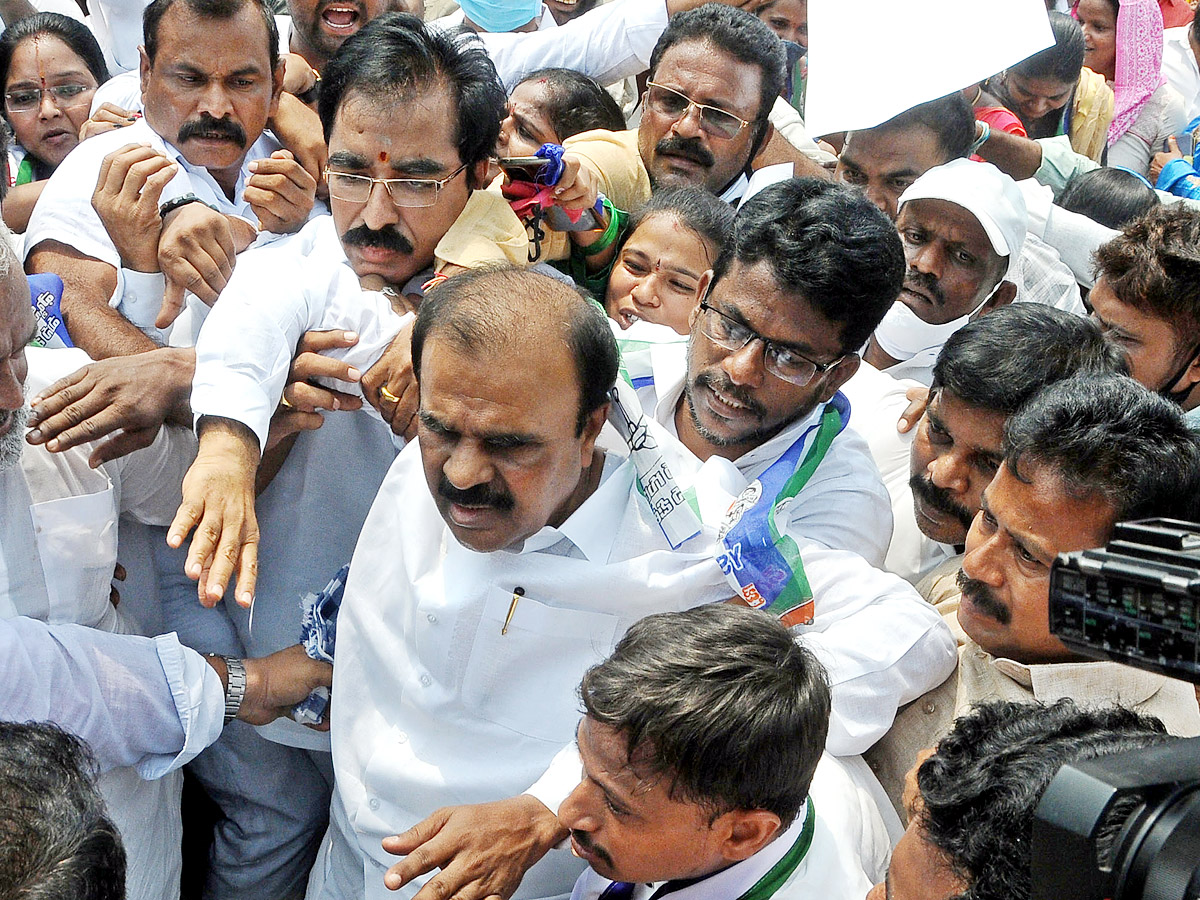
(1004,294)
(839,375)
(746,831)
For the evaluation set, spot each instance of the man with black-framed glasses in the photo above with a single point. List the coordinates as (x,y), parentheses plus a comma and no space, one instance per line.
(753,398)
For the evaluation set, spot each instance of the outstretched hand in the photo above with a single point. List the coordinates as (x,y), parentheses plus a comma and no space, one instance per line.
(483,850)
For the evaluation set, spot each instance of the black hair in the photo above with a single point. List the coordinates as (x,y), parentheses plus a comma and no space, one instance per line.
(1063,60)
(221,10)
(1153,265)
(951,118)
(396,56)
(1112,197)
(1002,359)
(1109,437)
(825,242)
(77,36)
(980,788)
(698,210)
(56,842)
(493,306)
(743,36)
(577,103)
(721,700)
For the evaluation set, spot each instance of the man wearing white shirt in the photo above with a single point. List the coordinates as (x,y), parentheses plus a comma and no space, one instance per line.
(122,218)
(504,555)
(1181,51)
(58,551)
(807,273)
(703,773)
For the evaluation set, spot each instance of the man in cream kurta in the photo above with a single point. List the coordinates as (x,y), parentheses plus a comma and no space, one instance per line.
(1028,517)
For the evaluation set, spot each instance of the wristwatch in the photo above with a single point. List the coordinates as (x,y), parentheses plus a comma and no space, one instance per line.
(235,687)
(172,205)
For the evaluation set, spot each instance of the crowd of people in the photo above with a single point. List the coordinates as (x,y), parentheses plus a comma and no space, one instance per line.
(498,452)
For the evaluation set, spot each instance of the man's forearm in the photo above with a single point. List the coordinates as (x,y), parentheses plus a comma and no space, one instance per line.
(1017,156)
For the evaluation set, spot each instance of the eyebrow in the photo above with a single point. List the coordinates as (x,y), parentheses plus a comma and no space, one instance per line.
(69,73)
(641,254)
(1022,542)
(733,312)
(503,439)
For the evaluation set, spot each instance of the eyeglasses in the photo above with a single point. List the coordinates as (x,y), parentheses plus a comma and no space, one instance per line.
(405,192)
(669,102)
(66,96)
(781,361)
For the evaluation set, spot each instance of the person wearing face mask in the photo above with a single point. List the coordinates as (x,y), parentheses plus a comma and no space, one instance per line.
(962,225)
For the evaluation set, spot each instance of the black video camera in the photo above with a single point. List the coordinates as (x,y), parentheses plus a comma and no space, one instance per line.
(1127,826)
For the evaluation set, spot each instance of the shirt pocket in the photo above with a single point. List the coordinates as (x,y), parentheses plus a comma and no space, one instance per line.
(525,679)
(77,541)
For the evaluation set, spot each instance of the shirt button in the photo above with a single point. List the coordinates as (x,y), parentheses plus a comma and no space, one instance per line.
(401,738)
(930,707)
(432,619)
(373,803)
(426,681)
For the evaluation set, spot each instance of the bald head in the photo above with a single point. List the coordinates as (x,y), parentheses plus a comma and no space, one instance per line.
(507,311)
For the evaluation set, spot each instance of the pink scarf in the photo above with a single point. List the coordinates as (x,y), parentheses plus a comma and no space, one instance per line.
(1139,61)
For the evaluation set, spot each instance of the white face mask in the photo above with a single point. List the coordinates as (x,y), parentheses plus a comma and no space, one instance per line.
(902,334)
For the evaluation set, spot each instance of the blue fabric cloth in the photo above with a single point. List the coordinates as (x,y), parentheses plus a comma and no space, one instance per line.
(1180,178)
(45,293)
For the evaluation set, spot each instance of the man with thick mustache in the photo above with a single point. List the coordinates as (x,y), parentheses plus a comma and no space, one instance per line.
(143,213)
(714,75)
(963,225)
(504,555)
(984,373)
(1082,455)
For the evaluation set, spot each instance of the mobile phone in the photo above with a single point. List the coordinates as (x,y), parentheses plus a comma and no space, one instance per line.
(592,219)
(1186,142)
(522,168)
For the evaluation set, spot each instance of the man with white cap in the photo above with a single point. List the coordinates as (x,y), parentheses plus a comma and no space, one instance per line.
(962,225)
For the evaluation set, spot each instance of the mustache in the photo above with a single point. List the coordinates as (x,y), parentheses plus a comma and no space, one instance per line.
(689,148)
(388,238)
(984,599)
(924,283)
(584,840)
(940,499)
(207,126)
(477,495)
(721,383)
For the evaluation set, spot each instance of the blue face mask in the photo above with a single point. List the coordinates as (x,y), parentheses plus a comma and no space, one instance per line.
(498,16)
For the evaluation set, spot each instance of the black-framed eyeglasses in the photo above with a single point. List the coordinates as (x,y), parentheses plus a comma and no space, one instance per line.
(66,96)
(715,121)
(780,360)
(405,192)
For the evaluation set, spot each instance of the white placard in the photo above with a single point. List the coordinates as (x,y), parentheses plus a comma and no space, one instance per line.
(870,60)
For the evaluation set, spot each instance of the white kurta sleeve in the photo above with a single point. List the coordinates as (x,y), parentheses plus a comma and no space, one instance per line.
(145,702)
(882,645)
(609,43)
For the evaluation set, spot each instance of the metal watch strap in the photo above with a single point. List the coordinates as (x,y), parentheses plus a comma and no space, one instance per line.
(235,689)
